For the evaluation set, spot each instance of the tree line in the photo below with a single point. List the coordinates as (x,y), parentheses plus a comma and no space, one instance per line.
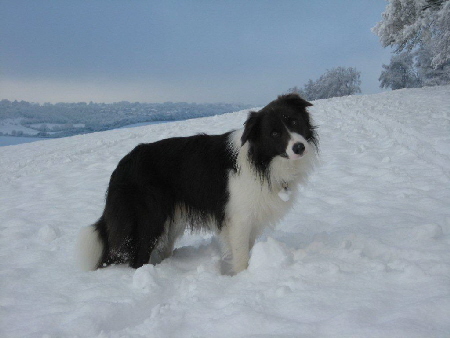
(419,32)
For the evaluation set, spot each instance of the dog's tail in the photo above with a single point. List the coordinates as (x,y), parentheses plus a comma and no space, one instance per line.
(89,247)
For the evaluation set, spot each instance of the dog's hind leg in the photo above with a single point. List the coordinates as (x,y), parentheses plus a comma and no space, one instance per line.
(151,218)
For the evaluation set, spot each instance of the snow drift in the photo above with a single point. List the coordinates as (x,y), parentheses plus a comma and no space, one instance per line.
(364,253)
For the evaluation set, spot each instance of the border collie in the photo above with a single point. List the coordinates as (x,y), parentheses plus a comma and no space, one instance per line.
(236,184)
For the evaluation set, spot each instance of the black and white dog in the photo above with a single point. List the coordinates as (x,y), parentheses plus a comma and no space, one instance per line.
(235,184)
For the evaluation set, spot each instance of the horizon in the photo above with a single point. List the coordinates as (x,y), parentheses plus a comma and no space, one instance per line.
(131,102)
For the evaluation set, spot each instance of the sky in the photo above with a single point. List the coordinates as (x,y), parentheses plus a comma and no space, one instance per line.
(192,51)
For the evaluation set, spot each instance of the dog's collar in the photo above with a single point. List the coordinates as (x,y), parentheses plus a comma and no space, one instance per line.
(285,192)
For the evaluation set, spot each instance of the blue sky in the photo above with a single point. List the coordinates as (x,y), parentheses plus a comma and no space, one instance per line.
(194,51)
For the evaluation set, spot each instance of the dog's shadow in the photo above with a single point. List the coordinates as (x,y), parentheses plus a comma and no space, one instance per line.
(195,252)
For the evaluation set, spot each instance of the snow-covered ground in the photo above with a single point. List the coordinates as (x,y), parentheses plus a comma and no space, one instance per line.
(364,253)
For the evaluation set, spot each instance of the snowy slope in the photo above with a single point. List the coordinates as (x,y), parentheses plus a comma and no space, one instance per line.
(364,253)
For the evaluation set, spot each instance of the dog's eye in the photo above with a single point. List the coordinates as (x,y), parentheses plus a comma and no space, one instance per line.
(275,134)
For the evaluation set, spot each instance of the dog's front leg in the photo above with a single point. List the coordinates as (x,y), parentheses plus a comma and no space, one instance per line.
(236,237)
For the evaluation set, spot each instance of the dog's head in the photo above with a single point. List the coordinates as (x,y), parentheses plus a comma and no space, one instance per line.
(282,128)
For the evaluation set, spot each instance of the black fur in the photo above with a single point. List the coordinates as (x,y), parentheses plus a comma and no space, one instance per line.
(151,181)
(155,179)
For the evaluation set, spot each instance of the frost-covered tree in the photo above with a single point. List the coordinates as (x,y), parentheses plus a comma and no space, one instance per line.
(413,24)
(336,82)
(429,74)
(400,73)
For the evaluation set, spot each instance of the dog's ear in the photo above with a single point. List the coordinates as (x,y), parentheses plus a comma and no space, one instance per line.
(295,99)
(305,103)
(251,127)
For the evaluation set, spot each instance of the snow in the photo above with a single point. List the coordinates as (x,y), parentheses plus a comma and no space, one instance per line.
(364,252)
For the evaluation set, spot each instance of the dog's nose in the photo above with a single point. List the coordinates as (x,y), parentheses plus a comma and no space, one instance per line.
(298,148)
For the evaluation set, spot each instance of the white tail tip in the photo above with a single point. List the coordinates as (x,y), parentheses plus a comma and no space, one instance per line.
(89,249)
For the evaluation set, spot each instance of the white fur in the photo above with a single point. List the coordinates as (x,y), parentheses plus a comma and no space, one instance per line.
(255,204)
(89,248)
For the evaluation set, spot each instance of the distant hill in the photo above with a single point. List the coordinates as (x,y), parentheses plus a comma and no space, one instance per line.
(21,118)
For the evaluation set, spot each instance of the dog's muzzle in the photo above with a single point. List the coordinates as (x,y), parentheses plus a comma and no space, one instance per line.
(298,148)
